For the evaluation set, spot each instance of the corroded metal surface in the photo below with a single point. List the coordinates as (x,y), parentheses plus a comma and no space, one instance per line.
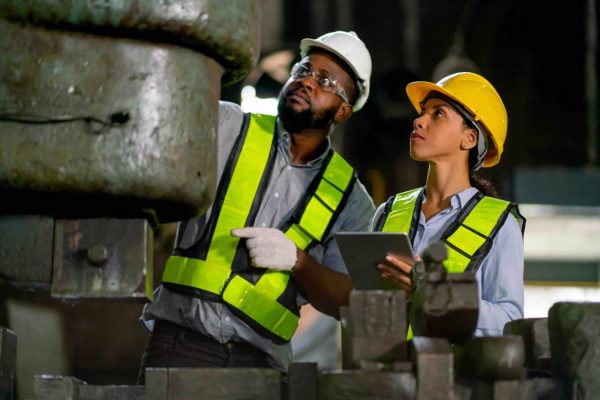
(212,383)
(8,363)
(26,249)
(446,307)
(57,387)
(143,128)
(374,328)
(228,31)
(124,273)
(537,343)
(575,346)
(491,358)
(434,365)
(302,381)
(360,385)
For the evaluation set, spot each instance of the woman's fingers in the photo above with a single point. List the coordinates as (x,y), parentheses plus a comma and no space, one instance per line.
(399,263)
(399,277)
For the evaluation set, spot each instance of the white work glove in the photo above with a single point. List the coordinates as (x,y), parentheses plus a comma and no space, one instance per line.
(268,248)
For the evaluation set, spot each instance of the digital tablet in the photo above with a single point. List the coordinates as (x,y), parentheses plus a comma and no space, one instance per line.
(362,251)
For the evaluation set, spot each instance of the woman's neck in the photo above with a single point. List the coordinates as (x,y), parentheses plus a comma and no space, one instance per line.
(443,182)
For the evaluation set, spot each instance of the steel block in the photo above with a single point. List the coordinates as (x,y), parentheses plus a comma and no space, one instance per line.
(537,343)
(102,259)
(548,388)
(8,363)
(514,390)
(302,381)
(360,385)
(212,383)
(446,308)
(374,327)
(434,364)
(575,346)
(112,392)
(51,387)
(491,358)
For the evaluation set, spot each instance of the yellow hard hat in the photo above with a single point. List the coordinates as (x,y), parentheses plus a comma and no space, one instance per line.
(478,97)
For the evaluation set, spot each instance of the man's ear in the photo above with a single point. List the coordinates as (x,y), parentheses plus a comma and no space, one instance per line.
(469,139)
(343,113)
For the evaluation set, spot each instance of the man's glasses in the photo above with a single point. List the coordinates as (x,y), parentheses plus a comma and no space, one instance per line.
(325,82)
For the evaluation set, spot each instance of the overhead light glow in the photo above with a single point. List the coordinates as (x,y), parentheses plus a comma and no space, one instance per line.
(253,104)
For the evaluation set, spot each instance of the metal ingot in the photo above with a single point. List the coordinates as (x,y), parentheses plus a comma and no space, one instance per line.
(445,307)
(373,328)
(492,358)
(110,108)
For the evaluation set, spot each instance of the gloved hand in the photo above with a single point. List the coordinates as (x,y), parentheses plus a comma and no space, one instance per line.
(268,247)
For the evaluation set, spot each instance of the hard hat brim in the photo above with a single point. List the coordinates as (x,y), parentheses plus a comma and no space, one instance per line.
(417,91)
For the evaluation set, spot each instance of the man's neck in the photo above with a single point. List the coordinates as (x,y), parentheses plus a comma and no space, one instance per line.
(307,145)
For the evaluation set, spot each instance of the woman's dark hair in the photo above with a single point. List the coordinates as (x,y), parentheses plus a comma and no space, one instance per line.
(485,186)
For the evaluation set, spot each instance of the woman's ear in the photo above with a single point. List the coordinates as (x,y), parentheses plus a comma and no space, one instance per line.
(343,113)
(469,139)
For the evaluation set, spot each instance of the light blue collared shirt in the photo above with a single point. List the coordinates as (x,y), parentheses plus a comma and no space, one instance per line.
(500,276)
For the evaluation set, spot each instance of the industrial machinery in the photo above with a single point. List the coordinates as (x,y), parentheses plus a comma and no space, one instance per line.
(108,129)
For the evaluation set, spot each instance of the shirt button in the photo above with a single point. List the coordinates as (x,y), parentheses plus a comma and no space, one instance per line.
(227,319)
(276,195)
(264,224)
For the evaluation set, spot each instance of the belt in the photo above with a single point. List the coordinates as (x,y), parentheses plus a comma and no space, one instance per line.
(167,328)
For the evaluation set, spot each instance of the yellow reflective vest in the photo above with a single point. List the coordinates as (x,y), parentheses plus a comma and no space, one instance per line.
(470,236)
(218,267)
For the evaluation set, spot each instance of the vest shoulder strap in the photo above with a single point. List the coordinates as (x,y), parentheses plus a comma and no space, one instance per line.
(323,202)
(470,237)
(403,213)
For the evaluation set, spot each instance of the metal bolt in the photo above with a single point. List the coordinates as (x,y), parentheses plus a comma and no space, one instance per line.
(97,255)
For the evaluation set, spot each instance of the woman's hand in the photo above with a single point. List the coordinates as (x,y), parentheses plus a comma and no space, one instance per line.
(398,271)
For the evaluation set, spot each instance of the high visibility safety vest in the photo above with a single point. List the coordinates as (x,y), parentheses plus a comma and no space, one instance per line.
(218,268)
(470,236)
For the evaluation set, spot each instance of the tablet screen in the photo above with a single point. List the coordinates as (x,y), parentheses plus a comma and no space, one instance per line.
(362,251)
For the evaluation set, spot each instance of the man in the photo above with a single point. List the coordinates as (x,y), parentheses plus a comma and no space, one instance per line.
(233,287)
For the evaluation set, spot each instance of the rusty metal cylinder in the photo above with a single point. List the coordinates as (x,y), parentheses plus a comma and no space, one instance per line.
(110,108)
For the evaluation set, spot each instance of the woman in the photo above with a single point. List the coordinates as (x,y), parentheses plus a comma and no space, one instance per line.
(461,127)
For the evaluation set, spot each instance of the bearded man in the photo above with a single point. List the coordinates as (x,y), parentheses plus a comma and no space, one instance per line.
(232,290)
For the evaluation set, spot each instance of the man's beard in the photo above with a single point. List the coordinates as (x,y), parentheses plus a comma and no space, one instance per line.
(295,121)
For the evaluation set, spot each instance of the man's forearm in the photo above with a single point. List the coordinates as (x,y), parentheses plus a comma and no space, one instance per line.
(325,289)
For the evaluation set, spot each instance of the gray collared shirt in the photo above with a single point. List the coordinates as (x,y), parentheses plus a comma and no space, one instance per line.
(286,187)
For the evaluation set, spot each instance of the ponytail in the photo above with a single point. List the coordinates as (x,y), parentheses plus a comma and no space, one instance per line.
(485,186)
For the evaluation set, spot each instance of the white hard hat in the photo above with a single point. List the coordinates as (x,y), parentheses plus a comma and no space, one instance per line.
(348,47)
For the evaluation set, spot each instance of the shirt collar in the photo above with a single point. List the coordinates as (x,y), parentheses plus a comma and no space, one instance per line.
(458,200)
(284,140)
